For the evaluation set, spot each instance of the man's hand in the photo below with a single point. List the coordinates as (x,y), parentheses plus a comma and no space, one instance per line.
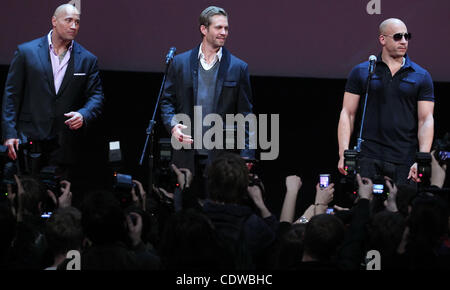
(437,172)
(76,120)
(413,173)
(13,146)
(143,195)
(324,195)
(168,195)
(255,194)
(134,229)
(20,193)
(178,135)
(390,203)
(65,200)
(293,183)
(341,166)
(11,195)
(184,176)
(365,187)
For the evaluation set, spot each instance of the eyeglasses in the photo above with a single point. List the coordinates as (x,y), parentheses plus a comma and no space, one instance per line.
(399,36)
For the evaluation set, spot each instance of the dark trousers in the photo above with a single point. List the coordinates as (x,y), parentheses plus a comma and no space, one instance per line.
(198,190)
(39,154)
(199,183)
(369,167)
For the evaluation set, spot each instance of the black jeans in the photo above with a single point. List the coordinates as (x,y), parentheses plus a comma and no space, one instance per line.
(369,167)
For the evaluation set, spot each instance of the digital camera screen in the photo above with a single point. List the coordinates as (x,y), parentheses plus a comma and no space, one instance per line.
(378,188)
(46,215)
(324,180)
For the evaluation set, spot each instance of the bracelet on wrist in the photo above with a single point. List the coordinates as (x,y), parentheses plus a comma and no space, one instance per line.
(303,220)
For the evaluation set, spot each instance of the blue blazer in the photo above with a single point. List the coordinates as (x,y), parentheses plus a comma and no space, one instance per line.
(233,95)
(31,107)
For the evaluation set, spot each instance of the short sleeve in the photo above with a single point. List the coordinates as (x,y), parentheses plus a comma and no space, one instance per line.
(426,91)
(354,84)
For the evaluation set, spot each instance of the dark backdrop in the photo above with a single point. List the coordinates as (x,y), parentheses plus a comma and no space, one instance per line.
(302,38)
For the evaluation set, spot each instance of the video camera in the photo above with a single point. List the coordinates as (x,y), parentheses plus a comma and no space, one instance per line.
(349,184)
(165,177)
(423,160)
(122,186)
(51,177)
(347,188)
(441,148)
(351,164)
(29,163)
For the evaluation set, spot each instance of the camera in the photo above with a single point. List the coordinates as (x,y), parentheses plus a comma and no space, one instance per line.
(50,176)
(380,188)
(347,187)
(123,181)
(351,162)
(165,177)
(423,160)
(122,185)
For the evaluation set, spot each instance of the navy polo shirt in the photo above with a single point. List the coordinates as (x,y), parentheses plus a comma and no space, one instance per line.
(390,126)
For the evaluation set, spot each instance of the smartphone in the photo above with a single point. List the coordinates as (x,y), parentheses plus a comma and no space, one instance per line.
(378,189)
(324,180)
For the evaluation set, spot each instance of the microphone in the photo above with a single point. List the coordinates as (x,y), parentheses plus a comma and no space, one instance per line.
(170,54)
(372,61)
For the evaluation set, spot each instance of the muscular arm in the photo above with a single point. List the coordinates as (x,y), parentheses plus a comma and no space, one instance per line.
(425,130)
(346,125)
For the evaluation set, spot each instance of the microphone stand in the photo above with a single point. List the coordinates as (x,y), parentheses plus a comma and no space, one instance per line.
(360,140)
(354,154)
(150,134)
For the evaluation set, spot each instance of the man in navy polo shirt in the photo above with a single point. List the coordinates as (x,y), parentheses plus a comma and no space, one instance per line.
(399,114)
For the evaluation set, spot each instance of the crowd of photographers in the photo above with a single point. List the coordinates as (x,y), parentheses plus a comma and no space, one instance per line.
(229,228)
